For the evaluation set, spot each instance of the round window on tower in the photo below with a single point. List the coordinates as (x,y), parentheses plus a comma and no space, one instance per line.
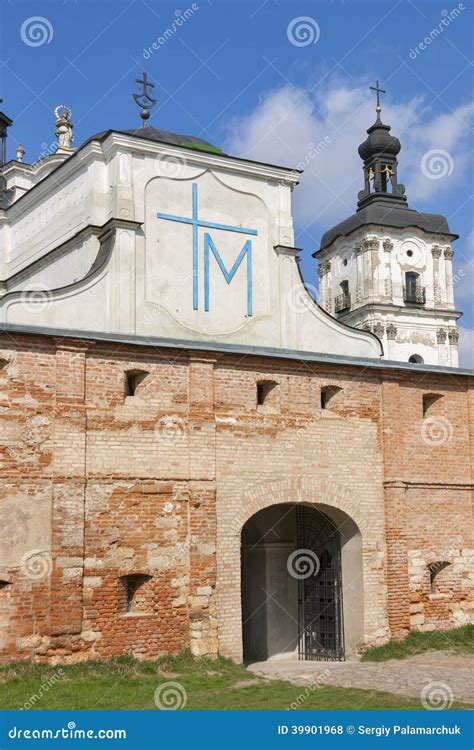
(344,262)
(410,253)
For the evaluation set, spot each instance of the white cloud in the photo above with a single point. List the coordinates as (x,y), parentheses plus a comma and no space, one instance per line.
(466,347)
(288,122)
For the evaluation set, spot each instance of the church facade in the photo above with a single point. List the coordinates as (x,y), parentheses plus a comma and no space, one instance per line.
(194,453)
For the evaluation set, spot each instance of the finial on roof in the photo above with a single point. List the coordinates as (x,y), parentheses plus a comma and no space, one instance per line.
(5,123)
(20,152)
(379,91)
(144,98)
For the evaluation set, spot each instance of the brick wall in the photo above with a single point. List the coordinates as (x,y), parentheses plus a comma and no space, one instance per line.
(101,492)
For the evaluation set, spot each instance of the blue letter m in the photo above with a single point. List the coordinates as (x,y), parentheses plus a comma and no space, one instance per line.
(228,275)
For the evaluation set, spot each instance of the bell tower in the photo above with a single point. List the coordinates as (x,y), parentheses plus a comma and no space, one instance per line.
(388,268)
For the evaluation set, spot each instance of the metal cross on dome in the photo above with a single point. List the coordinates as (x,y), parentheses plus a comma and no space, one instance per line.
(379,91)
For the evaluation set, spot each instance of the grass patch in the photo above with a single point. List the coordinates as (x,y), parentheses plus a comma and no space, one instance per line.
(460,640)
(125,683)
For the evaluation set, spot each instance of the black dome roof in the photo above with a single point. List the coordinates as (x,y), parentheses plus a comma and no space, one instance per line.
(379,142)
(389,216)
(377,205)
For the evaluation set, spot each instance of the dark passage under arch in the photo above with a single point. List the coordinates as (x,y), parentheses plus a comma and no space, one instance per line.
(291,585)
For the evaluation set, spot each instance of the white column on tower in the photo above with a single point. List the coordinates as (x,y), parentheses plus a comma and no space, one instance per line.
(448,261)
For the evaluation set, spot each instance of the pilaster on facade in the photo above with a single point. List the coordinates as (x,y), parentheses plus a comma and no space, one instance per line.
(448,260)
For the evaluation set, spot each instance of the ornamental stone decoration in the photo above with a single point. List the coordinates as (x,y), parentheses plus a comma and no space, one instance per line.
(371,243)
(441,335)
(387,245)
(448,253)
(359,248)
(436,251)
(367,327)
(379,330)
(324,268)
(391,332)
(453,336)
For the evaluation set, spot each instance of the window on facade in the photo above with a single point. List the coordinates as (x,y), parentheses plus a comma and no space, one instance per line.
(416,359)
(327,395)
(264,389)
(135,591)
(343,300)
(435,569)
(413,291)
(133,378)
(4,584)
(429,400)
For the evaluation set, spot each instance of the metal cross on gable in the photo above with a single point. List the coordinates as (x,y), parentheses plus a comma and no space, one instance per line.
(209,245)
(144,99)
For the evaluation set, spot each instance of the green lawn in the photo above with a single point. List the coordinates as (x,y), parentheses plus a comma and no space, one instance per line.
(460,640)
(124,683)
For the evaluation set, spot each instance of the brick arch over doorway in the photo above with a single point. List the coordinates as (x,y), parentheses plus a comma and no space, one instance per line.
(364,582)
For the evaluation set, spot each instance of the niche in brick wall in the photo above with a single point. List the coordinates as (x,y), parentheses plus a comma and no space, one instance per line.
(438,582)
(267,395)
(136,594)
(133,381)
(432,404)
(331,397)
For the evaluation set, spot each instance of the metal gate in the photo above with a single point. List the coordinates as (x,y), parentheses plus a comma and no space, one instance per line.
(321,633)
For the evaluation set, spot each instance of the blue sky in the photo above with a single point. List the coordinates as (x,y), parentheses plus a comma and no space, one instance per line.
(234,74)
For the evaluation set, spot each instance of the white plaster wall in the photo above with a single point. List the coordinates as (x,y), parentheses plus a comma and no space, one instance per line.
(146,287)
(374,261)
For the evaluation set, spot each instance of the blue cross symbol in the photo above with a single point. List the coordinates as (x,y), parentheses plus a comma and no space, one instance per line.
(196,222)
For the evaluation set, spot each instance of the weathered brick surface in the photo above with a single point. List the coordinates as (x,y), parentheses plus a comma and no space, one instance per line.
(97,486)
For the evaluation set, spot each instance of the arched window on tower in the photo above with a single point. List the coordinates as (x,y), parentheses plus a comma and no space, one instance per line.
(416,359)
(343,300)
(413,292)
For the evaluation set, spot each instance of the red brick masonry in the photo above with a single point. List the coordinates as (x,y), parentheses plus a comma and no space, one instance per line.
(107,498)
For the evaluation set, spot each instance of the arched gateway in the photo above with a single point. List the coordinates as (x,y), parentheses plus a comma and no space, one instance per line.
(292,593)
